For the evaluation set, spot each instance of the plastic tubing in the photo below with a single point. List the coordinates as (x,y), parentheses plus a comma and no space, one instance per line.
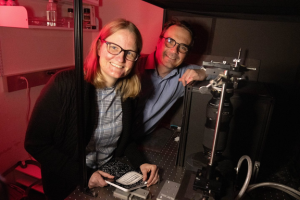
(281,187)
(284,188)
(248,177)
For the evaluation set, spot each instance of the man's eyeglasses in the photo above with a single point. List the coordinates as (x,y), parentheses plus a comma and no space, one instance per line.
(115,49)
(170,43)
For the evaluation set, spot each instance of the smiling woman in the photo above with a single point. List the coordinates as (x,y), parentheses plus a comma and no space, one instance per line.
(116,65)
(123,35)
(110,86)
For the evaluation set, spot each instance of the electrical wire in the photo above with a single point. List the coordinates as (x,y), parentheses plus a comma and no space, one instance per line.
(29,104)
(28,97)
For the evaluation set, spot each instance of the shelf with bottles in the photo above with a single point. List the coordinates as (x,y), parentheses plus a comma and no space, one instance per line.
(7,3)
(18,17)
(90,2)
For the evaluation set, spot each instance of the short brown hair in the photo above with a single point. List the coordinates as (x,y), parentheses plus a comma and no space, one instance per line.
(183,24)
(128,86)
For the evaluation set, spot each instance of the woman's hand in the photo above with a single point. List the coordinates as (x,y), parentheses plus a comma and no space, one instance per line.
(154,177)
(97,179)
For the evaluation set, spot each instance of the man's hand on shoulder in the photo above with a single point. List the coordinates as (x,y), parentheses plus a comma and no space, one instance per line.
(192,75)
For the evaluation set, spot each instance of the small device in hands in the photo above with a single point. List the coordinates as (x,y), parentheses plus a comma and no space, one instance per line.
(130,181)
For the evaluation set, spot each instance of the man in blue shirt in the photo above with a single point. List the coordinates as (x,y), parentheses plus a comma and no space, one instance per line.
(164,75)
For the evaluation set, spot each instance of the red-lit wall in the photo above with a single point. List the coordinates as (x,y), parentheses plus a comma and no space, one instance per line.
(27,50)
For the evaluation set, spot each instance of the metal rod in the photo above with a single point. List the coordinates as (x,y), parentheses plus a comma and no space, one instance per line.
(218,121)
(78,38)
(239,55)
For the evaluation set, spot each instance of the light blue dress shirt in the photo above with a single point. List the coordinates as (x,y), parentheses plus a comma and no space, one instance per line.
(158,94)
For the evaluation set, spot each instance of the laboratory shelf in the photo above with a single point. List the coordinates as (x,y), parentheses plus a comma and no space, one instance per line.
(17,17)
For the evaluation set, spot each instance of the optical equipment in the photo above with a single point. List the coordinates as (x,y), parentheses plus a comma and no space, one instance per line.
(218,115)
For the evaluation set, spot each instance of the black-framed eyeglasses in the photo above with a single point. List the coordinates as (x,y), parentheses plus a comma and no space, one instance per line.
(170,43)
(115,49)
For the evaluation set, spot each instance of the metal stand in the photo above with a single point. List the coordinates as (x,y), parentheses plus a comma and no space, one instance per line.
(208,179)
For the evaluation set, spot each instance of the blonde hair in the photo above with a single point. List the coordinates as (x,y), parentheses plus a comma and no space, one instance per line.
(128,86)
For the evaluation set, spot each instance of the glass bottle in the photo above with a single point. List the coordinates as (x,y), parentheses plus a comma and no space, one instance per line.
(87,18)
(11,3)
(51,13)
(70,20)
(2,2)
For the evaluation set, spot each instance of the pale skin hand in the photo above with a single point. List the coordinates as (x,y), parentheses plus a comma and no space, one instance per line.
(192,75)
(97,179)
(154,177)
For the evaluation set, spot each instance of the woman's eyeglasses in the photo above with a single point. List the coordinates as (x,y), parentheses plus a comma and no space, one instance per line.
(115,49)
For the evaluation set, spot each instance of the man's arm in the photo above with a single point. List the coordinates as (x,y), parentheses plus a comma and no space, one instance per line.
(193,75)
